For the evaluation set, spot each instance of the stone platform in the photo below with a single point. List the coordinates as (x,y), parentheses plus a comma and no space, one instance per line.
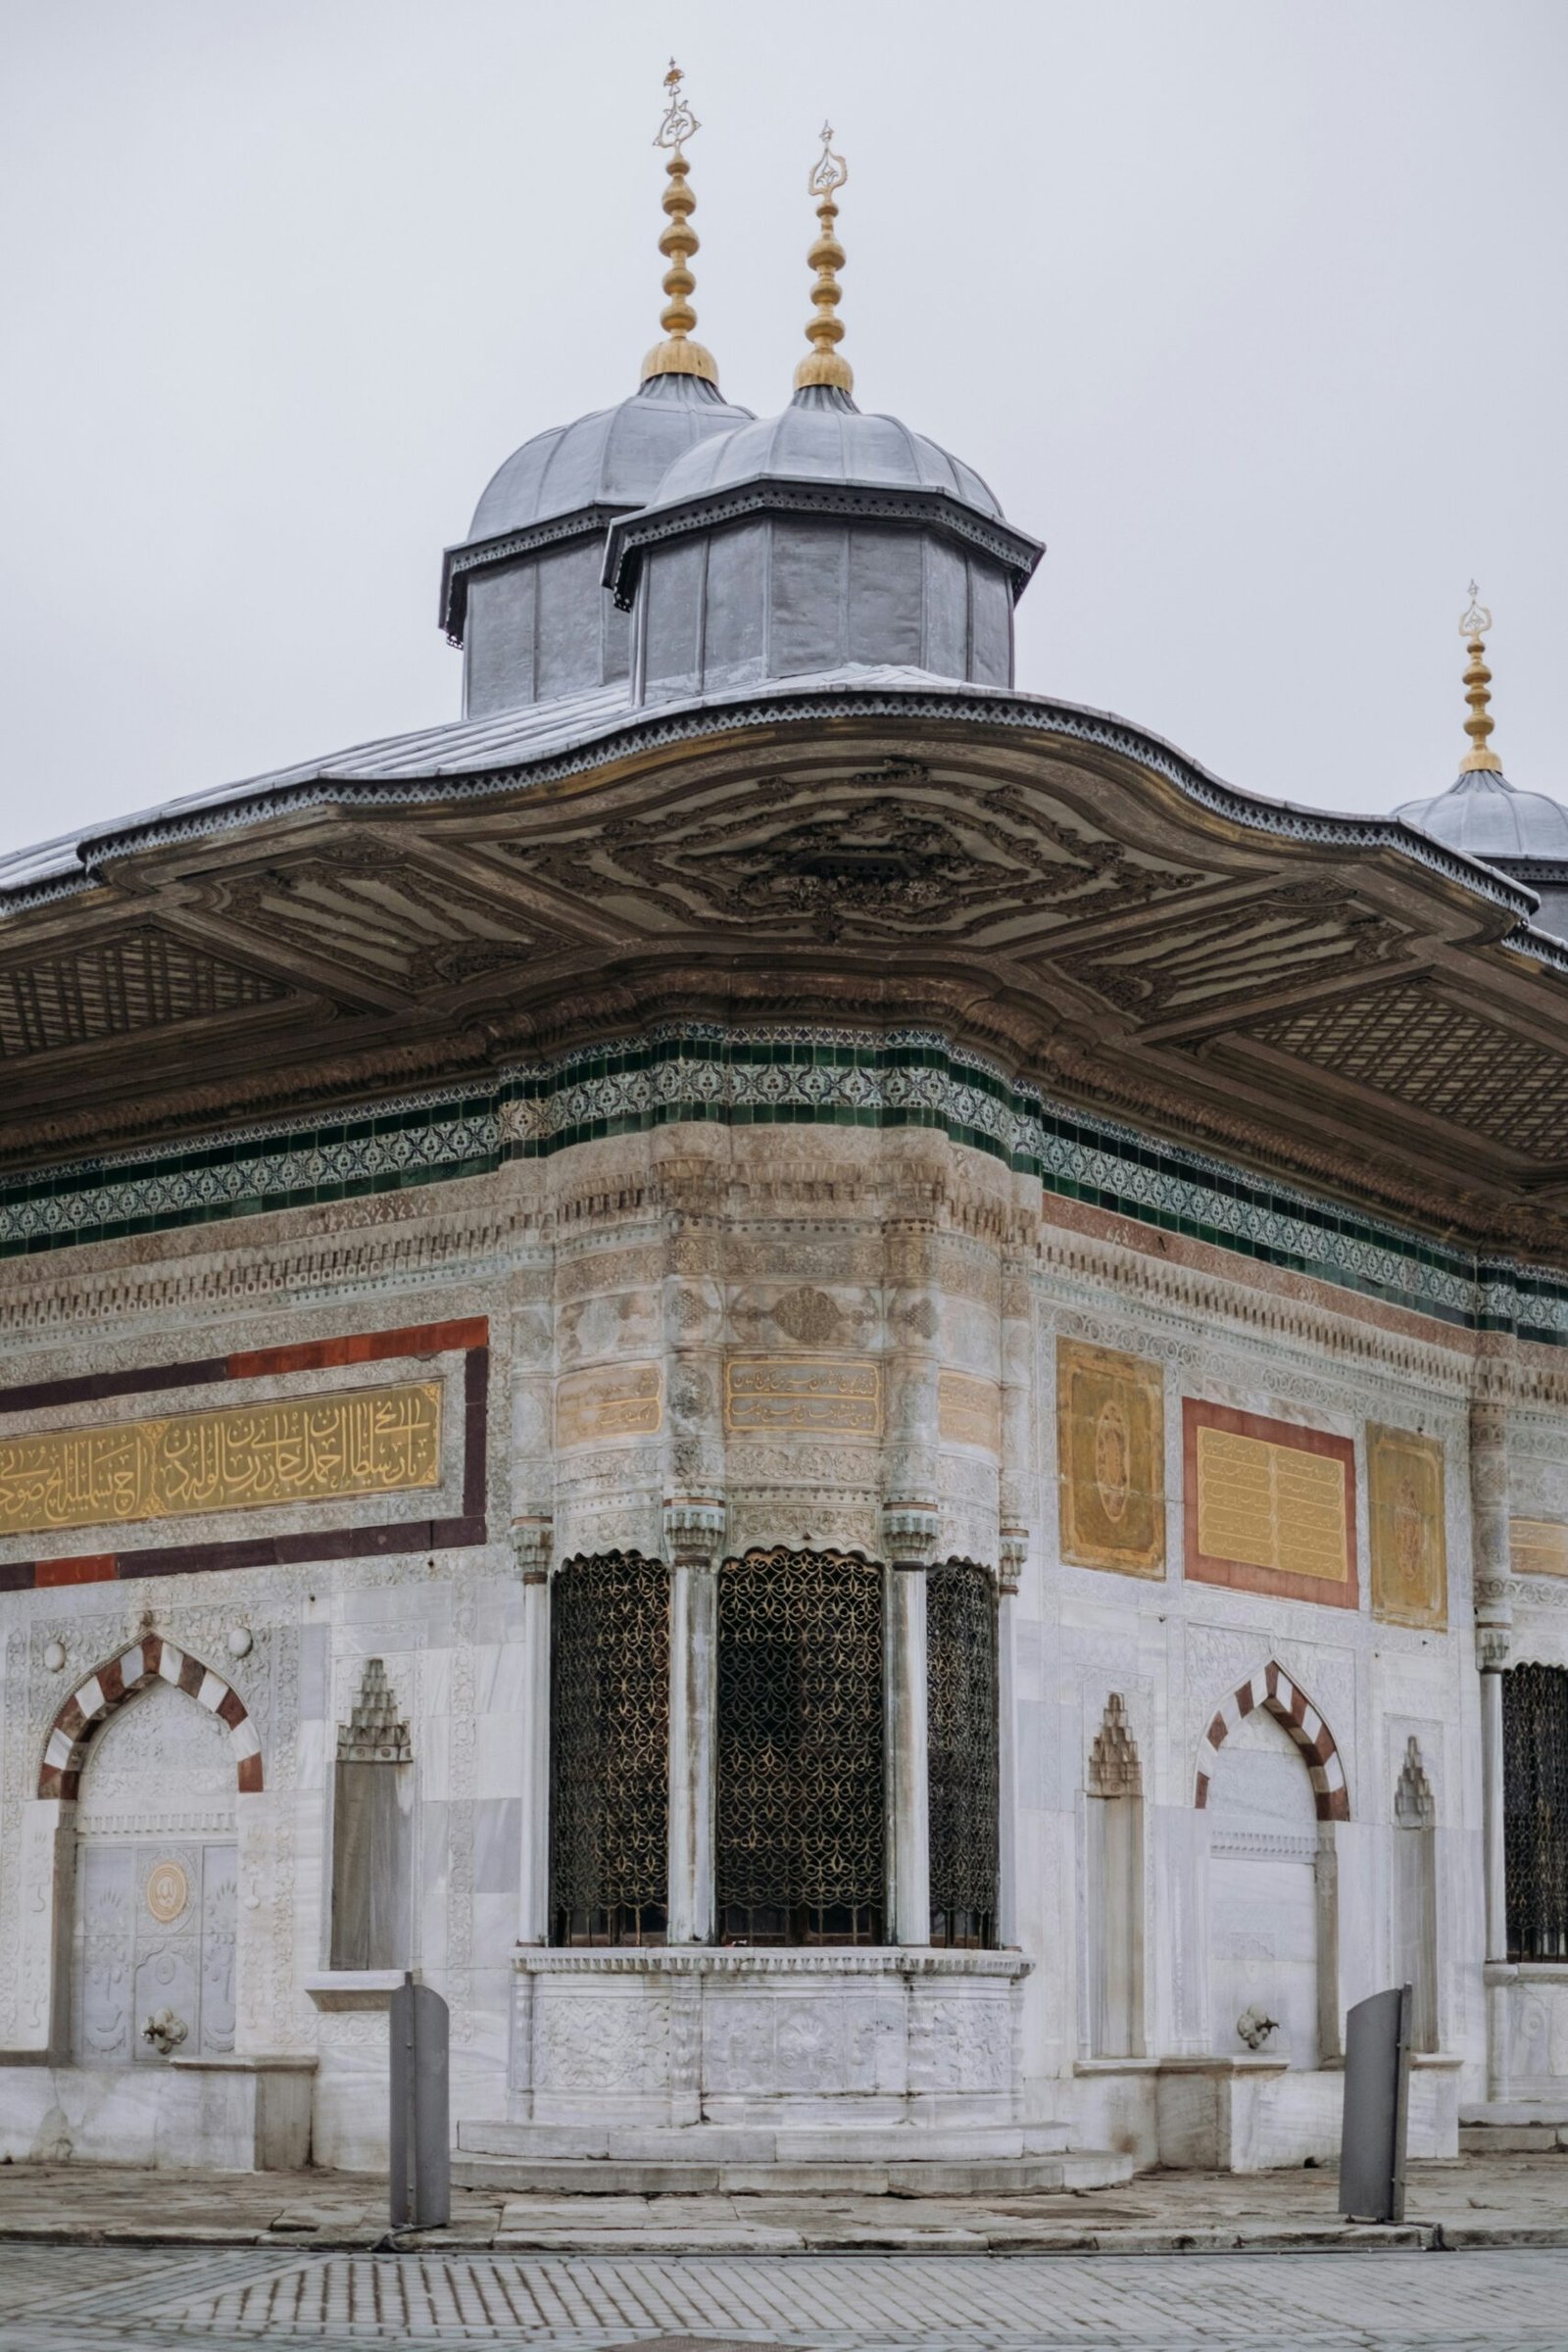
(709,2159)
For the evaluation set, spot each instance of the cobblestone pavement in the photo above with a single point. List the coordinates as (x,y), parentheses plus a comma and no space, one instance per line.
(102,2299)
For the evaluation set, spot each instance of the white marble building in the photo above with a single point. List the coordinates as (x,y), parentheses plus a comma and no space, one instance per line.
(837,1389)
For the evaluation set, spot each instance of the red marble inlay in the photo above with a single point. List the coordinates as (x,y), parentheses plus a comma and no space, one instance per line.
(87,1568)
(250,1776)
(361,1348)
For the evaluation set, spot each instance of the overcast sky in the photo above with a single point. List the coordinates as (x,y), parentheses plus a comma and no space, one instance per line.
(1254,312)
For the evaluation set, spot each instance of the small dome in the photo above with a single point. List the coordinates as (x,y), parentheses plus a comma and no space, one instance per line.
(1485,817)
(612,458)
(822,437)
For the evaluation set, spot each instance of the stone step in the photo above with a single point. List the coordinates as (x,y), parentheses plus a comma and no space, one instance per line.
(1512,2139)
(1515,2111)
(611,2177)
(752,2144)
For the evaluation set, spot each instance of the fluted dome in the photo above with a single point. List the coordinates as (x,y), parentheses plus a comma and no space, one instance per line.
(819,540)
(1484,816)
(612,458)
(524,594)
(822,438)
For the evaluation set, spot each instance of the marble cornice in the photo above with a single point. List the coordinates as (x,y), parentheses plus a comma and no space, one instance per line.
(726,1960)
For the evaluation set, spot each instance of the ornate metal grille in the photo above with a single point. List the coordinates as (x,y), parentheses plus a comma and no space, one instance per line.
(801,1849)
(1535,1804)
(608,1751)
(961,1633)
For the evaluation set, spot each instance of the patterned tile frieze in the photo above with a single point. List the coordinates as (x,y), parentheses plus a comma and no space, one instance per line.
(800,1075)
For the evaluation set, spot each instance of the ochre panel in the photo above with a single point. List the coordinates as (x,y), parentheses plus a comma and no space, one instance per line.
(1538,1546)
(608,1401)
(969,1410)
(782,1393)
(1409,1538)
(305,1450)
(1111,1441)
(1270,1505)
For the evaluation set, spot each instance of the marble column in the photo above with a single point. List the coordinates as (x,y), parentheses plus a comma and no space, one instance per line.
(694,1539)
(533,1542)
(1494,1608)
(1013,1547)
(908,1535)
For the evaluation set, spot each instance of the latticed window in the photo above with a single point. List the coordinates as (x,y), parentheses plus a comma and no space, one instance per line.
(1535,1801)
(800,1845)
(608,1751)
(960,1622)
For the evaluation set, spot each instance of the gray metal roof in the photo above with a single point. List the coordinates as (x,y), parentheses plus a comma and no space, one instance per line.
(1484,816)
(541,741)
(822,437)
(613,457)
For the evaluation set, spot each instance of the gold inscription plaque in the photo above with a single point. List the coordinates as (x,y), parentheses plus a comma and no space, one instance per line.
(840,1395)
(969,1410)
(1279,1508)
(608,1401)
(1111,1441)
(167,1891)
(310,1449)
(1409,1545)
(1538,1546)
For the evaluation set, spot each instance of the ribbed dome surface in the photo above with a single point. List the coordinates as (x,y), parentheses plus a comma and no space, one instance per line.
(614,456)
(1486,817)
(822,437)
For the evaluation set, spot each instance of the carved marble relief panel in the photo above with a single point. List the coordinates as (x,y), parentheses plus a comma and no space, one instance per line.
(969,1410)
(1538,1546)
(1270,1505)
(1409,1529)
(608,1401)
(1110,1444)
(834,1396)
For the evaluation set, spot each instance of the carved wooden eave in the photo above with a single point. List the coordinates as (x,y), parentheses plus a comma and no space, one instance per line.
(1334,998)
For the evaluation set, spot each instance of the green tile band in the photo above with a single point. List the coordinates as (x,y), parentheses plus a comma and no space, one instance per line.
(778,1076)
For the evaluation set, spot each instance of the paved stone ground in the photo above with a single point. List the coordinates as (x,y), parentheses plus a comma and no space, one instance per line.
(128,2299)
(1482,2201)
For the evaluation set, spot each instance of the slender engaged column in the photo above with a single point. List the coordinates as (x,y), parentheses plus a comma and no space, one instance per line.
(694,1538)
(1494,1603)
(531,1541)
(909,1533)
(1014,1548)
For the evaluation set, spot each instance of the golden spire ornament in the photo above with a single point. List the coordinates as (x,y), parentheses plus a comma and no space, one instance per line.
(825,365)
(677,354)
(1474,622)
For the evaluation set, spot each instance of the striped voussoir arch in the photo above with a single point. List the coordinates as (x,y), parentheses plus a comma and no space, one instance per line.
(1274,1690)
(149,1660)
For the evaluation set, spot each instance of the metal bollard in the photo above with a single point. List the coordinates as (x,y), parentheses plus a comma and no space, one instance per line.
(421,2151)
(1377,2104)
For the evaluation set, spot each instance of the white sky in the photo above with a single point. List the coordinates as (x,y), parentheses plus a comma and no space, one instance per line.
(1254,312)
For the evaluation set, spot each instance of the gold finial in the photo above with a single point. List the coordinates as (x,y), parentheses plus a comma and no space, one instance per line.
(824,365)
(677,355)
(1474,622)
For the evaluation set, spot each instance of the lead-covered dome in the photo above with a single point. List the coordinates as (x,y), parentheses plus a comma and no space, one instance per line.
(524,594)
(821,539)
(1486,816)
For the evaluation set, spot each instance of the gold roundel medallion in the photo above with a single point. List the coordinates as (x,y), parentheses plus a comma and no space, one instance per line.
(167,1891)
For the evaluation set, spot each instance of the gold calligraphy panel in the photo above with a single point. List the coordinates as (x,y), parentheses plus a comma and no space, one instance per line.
(1270,1505)
(242,1458)
(1409,1539)
(1110,1445)
(837,1396)
(1538,1546)
(969,1410)
(608,1401)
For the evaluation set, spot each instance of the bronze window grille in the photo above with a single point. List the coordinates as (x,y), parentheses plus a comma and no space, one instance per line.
(1534,1810)
(801,1852)
(961,1631)
(608,1751)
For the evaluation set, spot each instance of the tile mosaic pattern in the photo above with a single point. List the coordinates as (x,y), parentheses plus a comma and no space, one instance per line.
(802,1076)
